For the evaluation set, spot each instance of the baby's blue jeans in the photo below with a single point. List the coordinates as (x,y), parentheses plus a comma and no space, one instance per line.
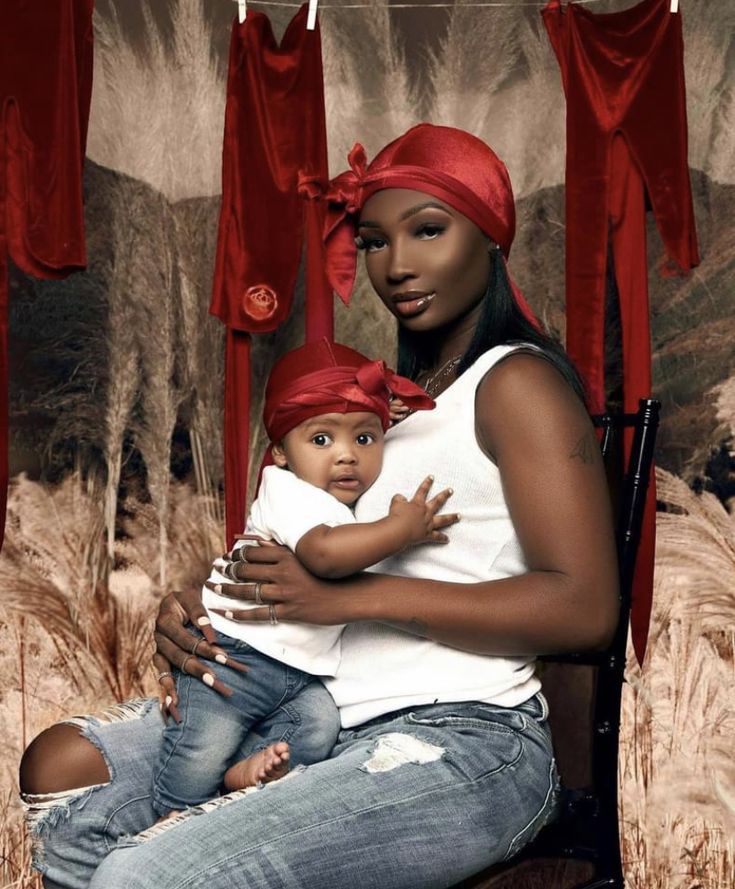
(197,751)
(416,799)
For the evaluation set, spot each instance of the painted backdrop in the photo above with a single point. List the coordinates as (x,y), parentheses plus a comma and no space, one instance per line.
(116,378)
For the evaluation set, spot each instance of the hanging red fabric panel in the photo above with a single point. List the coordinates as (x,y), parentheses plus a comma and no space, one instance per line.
(623,78)
(46,56)
(274,130)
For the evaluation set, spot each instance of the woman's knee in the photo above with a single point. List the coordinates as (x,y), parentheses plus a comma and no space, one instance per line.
(61,758)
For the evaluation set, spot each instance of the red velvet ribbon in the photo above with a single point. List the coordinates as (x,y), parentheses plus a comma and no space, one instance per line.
(274,126)
(623,77)
(45,92)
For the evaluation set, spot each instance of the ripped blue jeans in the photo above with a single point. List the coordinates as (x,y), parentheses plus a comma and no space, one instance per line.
(422,798)
(197,750)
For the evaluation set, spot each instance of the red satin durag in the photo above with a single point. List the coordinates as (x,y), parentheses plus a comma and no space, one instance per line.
(274,129)
(449,164)
(324,378)
(623,78)
(45,91)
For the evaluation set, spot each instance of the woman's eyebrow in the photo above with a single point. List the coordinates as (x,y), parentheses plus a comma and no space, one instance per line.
(412,211)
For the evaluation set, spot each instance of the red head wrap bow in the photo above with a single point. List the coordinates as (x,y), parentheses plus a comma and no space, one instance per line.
(325,378)
(449,164)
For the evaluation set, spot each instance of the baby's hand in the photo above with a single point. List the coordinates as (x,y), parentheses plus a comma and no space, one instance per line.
(398,410)
(418,516)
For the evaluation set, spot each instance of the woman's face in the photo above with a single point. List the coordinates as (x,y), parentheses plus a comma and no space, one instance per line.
(428,263)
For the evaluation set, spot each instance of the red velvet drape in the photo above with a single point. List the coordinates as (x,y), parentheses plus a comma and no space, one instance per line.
(274,129)
(623,78)
(45,90)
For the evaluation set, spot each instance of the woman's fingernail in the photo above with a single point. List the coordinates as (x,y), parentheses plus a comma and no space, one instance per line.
(221,658)
(208,679)
(229,615)
(169,699)
(203,621)
(217,587)
(431,478)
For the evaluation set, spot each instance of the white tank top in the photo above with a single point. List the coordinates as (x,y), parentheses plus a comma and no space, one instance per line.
(384,669)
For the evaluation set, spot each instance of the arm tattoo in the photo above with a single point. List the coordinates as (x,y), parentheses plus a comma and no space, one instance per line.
(585,449)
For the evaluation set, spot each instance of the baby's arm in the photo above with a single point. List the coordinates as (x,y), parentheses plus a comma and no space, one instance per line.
(338,552)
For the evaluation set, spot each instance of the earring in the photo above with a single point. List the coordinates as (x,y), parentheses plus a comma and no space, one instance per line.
(492,246)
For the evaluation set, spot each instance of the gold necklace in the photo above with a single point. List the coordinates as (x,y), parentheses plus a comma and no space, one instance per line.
(434,381)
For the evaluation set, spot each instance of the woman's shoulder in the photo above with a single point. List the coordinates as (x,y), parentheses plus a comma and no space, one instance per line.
(524,396)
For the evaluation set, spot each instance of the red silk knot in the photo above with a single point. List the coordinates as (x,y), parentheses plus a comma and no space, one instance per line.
(259,302)
(323,377)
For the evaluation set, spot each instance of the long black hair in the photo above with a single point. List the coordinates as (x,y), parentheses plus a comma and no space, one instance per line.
(501,322)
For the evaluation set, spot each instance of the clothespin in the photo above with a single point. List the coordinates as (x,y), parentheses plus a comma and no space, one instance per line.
(311,18)
(242,10)
(674,6)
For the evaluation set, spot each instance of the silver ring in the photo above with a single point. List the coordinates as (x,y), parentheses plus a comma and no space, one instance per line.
(165,674)
(197,642)
(183,663)
(272,616)
(229,571)
(258,599)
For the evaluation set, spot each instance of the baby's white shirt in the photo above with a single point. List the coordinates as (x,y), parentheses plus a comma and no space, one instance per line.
(286,508)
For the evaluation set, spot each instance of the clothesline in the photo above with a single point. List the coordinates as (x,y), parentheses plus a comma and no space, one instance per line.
(294,5)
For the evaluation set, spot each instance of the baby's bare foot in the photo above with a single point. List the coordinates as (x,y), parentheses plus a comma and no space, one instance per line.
(266,765)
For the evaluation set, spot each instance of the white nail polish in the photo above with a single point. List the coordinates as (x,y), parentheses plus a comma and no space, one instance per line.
(217,588)
(203,621)
(169,699)
(221,658)
(208,679)
(229,615)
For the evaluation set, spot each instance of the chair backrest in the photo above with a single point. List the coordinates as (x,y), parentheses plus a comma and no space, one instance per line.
(584,691)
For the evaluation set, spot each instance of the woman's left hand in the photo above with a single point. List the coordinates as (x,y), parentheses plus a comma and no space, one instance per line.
(274,579)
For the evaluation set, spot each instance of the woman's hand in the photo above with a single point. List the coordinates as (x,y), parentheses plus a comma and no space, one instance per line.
(176,646)
(274,579)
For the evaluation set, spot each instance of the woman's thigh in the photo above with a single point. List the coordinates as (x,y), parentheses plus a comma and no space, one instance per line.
(420,800)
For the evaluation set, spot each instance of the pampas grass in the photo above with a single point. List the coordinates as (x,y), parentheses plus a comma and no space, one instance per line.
(87,634)
(53,570)
(678,724)
(158,106)
(367,90)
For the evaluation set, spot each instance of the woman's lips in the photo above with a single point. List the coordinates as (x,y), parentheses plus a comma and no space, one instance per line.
(408,306)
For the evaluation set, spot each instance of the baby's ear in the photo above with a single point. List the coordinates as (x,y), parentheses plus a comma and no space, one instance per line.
(279,456)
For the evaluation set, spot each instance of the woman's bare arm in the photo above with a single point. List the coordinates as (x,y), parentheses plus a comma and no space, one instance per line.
(545,447)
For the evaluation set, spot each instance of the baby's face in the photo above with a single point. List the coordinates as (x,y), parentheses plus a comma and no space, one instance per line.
(339,453)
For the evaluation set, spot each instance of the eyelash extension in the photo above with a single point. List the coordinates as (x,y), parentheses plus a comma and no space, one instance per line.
(434,227)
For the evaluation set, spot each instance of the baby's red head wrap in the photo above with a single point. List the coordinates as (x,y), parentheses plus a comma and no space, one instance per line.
(324,378)
(449,164)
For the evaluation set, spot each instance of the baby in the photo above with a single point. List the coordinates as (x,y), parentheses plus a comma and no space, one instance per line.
(326,410)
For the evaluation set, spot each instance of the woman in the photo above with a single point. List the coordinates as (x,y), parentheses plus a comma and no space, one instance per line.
(444,765)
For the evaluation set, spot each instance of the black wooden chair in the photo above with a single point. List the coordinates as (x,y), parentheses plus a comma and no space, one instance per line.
(584,693)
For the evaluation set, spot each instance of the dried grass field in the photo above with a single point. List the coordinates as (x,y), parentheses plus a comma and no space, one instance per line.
(75,638)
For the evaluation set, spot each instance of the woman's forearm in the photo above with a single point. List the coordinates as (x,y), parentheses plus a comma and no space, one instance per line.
(539,612)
